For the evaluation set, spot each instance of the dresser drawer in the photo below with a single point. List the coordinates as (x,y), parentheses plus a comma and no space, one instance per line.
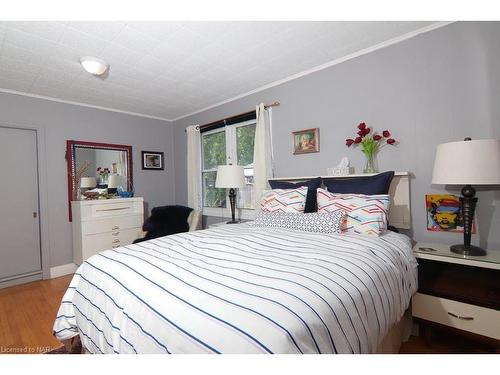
(95,243)
(111,207)
(112,224)
(471,318)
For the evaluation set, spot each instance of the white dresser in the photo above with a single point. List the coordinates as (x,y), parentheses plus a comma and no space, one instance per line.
(105,224)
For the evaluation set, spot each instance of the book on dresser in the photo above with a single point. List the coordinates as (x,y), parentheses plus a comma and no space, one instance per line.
(100,225)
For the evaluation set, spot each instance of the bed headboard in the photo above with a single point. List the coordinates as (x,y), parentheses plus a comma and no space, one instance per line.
(399,213)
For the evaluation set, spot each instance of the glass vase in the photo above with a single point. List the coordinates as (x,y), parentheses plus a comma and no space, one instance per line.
(370,166)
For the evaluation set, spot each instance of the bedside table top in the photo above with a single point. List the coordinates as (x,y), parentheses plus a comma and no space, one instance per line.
(442,253)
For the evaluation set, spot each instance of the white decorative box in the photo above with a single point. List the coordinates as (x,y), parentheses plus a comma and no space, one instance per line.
(340,171)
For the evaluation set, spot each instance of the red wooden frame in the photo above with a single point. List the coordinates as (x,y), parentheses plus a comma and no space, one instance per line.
(70,163)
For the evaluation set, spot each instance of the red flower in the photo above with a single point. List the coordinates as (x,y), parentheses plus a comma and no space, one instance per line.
(391,141)
(362,133)
(377,137)
(98,169)
(357,140)
(386,134)
(362,126)
(367,131)
(349,142)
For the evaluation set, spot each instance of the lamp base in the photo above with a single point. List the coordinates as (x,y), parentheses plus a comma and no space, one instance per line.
(469,250)
(233,222)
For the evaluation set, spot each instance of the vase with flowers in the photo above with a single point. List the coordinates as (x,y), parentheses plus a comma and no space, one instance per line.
(102,174)
(370,143)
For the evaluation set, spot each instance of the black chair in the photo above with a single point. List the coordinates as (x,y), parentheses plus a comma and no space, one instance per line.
(166,220)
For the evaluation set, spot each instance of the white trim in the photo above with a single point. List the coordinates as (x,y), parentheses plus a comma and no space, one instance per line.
(64,269)
(329,64)
(49,98)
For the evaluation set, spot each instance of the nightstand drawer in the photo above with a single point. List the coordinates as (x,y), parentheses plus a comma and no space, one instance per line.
(471,318)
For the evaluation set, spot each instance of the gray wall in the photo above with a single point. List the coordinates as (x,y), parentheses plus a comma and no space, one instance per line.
(437,87)
(58,122)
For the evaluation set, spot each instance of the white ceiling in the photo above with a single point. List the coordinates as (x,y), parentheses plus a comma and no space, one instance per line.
(170,69)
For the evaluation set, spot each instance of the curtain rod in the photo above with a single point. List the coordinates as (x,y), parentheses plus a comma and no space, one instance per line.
(266,106)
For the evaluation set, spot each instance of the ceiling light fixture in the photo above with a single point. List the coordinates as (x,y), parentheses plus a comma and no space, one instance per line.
(94,66)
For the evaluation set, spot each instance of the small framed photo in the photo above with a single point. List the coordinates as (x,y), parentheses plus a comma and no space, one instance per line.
(306,141)
(152,160)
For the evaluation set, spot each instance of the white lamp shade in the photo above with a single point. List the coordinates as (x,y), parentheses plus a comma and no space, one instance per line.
(230,176)
(475,162)
(114,181)
(88,182)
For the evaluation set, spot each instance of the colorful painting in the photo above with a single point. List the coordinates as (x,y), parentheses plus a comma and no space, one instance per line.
(306,141)
(444,213)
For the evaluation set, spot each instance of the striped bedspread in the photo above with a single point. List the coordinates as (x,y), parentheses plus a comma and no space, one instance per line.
(241,289)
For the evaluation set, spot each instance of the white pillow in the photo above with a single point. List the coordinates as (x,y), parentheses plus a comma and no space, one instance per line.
(284,200)
(326,222)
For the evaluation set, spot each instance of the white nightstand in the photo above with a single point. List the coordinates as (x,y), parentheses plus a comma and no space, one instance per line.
(458,292)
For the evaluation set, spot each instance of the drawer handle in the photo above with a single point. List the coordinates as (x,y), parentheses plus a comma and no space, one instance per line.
(113,209)
(115,233)
(115,246)
(116,240)
(115,227)
(461,317)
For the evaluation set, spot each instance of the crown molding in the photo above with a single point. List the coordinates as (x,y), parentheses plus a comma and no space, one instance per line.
(329,64)
(57,100)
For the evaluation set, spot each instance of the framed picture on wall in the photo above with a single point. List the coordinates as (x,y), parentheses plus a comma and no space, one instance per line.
(306,141)
(152,160)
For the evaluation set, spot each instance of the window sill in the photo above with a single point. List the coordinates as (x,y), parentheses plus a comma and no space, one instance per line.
(240,213)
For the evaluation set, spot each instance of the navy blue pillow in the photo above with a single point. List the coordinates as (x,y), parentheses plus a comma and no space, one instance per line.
(369,185)
(312,186)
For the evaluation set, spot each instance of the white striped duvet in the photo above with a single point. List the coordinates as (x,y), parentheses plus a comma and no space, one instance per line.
(241,289)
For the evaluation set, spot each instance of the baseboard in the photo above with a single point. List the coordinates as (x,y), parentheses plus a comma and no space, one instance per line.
(64,269)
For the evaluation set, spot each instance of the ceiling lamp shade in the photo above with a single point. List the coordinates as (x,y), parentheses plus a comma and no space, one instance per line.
(230,176)
(94,65)
(470,162)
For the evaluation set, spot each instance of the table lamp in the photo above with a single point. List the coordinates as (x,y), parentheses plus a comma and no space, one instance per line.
(468,162)
(230,177)
(87,183)
(113,183)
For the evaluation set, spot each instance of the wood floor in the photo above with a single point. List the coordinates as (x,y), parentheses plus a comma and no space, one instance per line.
(27,315)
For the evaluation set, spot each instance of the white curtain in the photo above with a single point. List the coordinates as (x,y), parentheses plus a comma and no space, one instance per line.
(194,167)
(263,152)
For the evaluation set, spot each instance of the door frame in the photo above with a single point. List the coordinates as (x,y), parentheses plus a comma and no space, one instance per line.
(43,218)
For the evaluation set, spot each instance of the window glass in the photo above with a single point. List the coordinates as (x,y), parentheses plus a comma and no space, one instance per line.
(214,150)
(212,197)
(245,138)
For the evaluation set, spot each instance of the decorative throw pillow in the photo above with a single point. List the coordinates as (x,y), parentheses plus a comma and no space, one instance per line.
(366,214)
(325,222)
(311,203)
(284,200)
(370,185)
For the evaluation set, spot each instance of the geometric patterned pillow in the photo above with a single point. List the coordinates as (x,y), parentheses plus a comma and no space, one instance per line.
(366,214)
(325,222)
(284,200)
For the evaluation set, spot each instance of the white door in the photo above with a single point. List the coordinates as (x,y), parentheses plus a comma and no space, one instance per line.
(19,223)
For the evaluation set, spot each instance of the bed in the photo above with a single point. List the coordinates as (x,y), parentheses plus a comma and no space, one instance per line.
(241,289)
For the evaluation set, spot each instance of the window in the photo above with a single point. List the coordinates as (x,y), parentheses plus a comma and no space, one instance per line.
(231,144)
